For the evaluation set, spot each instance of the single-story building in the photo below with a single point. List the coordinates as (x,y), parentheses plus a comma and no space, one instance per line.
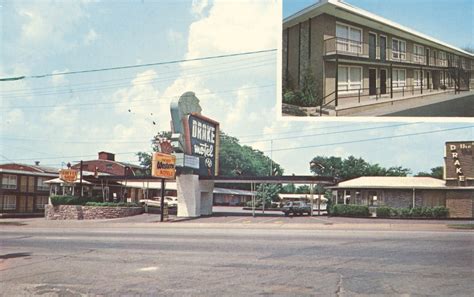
(406,192)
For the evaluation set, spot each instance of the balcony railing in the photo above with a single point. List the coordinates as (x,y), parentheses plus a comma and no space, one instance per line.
(348,47)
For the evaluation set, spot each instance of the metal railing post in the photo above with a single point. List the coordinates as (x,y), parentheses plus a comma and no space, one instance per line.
(359,94)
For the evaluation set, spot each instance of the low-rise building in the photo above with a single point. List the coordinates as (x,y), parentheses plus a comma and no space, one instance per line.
(24,191)
(455,191)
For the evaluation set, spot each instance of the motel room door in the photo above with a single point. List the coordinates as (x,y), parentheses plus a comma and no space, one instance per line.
(383,81)
(372,46)
(372,81)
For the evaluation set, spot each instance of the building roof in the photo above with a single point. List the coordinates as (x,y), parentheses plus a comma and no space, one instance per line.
(333,7)
(20,168)
(393,182)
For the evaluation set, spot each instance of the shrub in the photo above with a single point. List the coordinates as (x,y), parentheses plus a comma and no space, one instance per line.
(73,200)
(427,212)
(404,212)
(417,212)
(384,212)
(350,210)
(440,212)
(120,204)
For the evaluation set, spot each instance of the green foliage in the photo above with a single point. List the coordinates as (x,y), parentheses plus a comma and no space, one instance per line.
(437,212)
(73,200)
(120,204)
(436,172)
(288,189)
(440,212)
(234,159)
(404,212)
(307,95)
(383,212)
(350,210)
(268,193)
(352,167)
(303,189)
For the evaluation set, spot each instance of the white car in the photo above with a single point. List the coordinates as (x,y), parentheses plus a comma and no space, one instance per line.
(156,201)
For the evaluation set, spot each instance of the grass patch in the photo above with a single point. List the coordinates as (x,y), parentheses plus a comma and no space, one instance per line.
(13,223)
(462,226)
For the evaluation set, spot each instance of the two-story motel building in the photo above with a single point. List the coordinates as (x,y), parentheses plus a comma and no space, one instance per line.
(357,57)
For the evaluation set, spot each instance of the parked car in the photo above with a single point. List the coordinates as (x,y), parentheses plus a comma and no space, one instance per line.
(171,201)
(296,208)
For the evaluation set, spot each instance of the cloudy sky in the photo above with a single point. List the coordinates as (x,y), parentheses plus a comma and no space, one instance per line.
(65,118)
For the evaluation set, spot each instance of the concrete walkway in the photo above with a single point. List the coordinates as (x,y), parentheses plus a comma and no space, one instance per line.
(420,102)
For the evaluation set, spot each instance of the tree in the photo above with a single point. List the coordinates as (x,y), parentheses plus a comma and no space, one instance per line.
(268,193)
(436,172)
(234,159)
(352,167)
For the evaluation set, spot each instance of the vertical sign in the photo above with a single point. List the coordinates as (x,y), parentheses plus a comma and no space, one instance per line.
(202,140)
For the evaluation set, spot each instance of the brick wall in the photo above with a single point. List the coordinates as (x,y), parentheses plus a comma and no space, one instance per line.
(78,212)
(460,204)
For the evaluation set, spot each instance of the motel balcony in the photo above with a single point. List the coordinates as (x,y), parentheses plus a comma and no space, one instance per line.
(347,49)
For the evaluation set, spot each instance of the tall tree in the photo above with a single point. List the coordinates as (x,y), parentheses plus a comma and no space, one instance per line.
(436,172)
(234,159)
(352,167)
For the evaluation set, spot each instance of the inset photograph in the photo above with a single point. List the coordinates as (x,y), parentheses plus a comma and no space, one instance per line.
(343,60)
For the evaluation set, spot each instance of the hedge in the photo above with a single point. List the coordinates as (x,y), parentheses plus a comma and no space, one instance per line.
(437,212)
(120,204)
(73,200)
(350,210)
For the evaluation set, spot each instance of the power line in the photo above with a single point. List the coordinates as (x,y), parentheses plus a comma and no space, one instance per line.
(297,148)
(331,133)
(254,141)
(69,90)
(131,102)
(247,61)
(139,65)
(370,139)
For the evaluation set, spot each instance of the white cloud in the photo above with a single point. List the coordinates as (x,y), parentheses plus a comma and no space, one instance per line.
(235,26)
(90,37)
(198,6)
(47,28)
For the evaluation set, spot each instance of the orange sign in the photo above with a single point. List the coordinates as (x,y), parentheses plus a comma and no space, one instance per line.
(68,175)
(163,165)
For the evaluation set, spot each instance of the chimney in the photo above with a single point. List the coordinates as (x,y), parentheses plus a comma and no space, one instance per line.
(37,163)
(106,156)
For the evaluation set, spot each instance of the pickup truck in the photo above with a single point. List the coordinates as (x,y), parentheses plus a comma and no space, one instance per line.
(296,208)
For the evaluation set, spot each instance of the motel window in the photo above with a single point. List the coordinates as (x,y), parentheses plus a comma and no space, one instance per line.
(41,201)
(442,59)
(418,54)
(9,181)
(398,78)
(41,186)
(417,77)
(349,78)
(399,49)
(9,202)
(349,39)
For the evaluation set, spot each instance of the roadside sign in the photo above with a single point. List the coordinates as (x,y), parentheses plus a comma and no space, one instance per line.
(68,175)
(163,165)
(188,161)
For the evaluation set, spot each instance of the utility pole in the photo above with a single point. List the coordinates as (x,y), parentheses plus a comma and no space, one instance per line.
(80,180)
(162,202)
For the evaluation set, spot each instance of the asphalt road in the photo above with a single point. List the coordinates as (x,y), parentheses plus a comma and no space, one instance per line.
(180,261)
(460,107)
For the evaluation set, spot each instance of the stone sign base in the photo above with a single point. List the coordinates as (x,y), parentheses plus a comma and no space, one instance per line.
(79,212)
(194,196)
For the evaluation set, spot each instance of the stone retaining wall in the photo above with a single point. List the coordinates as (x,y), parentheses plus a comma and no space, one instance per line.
(79,212)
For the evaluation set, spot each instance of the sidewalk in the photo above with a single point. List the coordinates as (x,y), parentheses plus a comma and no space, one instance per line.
(147,221)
